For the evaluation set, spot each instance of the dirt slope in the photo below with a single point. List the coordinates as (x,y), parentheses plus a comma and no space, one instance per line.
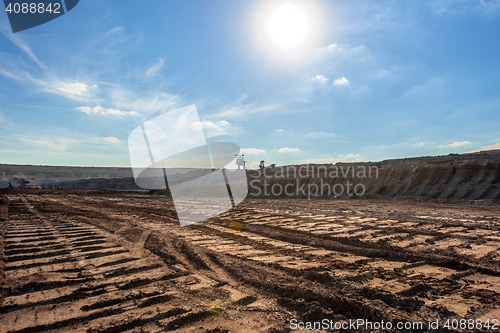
(45,174)
(469,176)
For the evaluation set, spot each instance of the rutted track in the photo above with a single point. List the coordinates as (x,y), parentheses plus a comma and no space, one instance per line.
(63,274)
(84,260)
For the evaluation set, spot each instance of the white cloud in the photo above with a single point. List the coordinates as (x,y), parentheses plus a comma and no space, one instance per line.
(490,147)
(21,44)
(346,51)
(252,151)
(43,77)
(158,102)
(341,82)
(342,159)
(50,142)
(30,71)
(111,139)
(217,128)
(444,7)
(50,83)
(99,110)
(239,109)
(382,74)
(303,100)
(432,88)
(308,135)
(76,88)
(332,47)
(4,123)
(114,30)
(151,71)
(321,79)
(67,147)
(288,150)
(459,143)
(245,110)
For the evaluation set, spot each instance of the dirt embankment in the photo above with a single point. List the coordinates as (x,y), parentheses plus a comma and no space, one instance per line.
(467,176)
(470,176)
(45,174)
(98,183)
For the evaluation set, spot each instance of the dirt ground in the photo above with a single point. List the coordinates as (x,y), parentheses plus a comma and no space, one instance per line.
(103,261)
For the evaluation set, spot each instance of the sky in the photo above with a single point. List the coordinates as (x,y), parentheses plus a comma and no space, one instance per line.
(288,81)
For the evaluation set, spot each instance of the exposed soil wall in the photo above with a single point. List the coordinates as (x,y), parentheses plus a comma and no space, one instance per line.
(99,183)
(467,176)
(449,177)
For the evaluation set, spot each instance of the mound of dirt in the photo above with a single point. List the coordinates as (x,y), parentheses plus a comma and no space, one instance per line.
(44,174)
(98,183)
(468,176)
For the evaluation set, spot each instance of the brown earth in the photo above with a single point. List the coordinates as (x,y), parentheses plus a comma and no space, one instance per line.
(51,175)
(466,176)
(97,261)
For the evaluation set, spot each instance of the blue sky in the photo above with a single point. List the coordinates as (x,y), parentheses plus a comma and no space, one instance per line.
(369,80)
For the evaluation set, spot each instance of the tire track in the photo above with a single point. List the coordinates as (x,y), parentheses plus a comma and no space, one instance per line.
(86,286)
(312,259)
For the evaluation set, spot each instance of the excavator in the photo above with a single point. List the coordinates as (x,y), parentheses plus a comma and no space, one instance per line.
(23,182)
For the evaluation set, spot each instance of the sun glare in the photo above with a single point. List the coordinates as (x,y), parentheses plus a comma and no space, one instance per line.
(287,26)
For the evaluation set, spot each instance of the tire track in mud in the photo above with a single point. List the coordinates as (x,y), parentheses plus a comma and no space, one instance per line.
(323,238)
(355,263)
(307,248)
(92,282)
(196,247)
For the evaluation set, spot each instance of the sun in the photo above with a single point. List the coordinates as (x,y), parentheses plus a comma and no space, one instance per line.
(288,26)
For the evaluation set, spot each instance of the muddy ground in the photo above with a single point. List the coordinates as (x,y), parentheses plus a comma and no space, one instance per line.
(102,261)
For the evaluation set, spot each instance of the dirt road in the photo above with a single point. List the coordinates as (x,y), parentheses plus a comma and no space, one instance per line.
(93,261)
